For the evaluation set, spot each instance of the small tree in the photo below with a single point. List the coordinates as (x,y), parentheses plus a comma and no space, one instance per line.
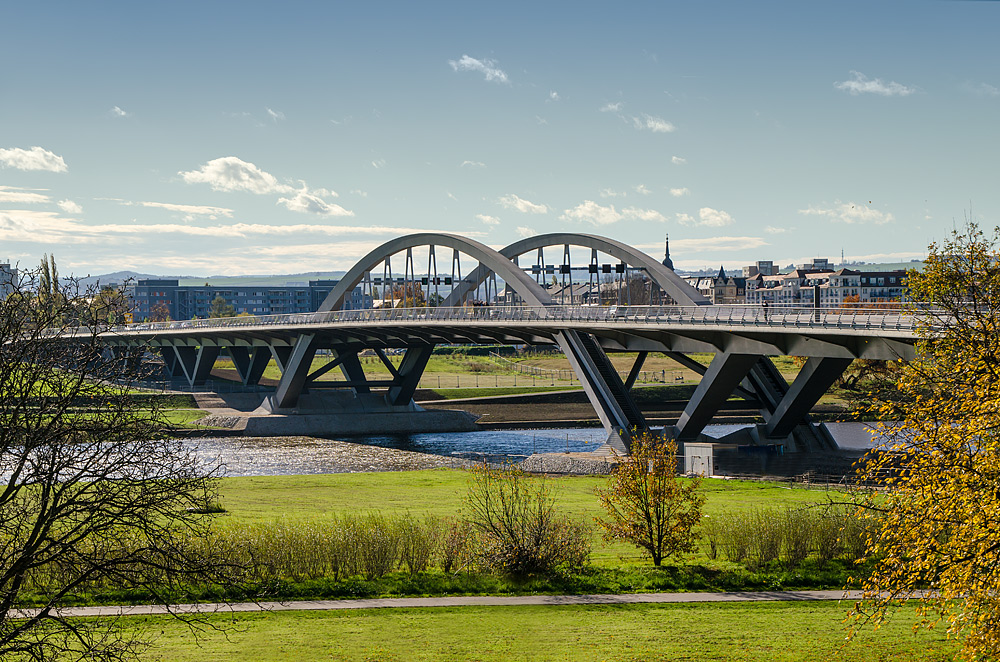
(647,505)
(220,307)
(516,527)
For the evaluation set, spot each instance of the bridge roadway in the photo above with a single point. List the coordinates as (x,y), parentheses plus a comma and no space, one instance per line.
(740,337)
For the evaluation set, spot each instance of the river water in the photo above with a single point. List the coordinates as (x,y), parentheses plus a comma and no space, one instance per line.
(276,456)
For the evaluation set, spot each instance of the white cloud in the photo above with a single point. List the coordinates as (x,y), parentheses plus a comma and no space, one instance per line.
(770,229)
(714,218)
(12,194)
(611,193)
(190,210)
(378,163)
(473,165)
(643,214)
(49,227)
(678,192)
(70,207)
(230,173)
(359,192)
(524,232)
(850,213)
(861,84)
(654,124)
(677,160)
(590,212)
(35,158)
(313,203)
(488,220)
(525,206)
(487,67)
(553,96)
(275,115)
(981,89)
(641,189)
(707,217)
(681,247)
(118,112)
(612,107)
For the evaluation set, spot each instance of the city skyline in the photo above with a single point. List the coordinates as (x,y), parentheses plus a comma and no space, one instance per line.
(239,139)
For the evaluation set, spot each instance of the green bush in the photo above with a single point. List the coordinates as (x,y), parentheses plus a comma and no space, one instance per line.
(517,531)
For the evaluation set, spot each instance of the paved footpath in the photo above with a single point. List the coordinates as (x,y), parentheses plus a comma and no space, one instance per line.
(456,601)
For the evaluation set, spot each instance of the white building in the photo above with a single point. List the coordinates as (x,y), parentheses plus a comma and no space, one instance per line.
(8,278)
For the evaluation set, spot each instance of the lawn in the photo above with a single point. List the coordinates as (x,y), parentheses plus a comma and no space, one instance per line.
(785,631)
(440,492)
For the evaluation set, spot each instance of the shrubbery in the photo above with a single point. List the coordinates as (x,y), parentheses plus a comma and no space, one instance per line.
(517,531)
(510,528)
(756,538)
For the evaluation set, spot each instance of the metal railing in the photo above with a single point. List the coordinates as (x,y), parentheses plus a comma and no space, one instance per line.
(776,317)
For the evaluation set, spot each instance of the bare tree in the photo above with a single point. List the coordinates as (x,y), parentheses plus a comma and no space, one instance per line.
(93,495)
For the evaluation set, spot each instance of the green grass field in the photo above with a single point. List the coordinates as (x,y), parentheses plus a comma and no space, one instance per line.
(440,492)
(804,631)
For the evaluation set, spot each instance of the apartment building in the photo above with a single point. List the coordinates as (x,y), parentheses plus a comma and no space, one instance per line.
(153,299)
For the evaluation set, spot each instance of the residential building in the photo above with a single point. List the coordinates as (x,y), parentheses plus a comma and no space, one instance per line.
(156,298)
(720,289)
(763,267)
(802,287)
(8,279)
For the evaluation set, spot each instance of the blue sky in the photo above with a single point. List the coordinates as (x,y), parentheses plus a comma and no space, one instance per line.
(236,138)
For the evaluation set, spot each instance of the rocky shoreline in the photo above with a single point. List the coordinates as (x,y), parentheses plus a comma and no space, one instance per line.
(257,456)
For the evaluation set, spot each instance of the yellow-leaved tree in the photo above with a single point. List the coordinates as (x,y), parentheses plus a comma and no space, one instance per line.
(937,541)
(647,505)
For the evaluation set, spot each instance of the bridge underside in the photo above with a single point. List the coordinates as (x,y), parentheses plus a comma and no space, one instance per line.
(740,366)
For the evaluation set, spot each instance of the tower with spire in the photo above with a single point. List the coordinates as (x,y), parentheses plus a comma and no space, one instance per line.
(667,262)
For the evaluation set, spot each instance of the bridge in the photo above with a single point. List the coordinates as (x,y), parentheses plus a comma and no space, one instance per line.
(651,310)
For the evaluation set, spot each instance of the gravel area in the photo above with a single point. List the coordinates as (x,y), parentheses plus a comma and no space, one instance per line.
(267,456)
(567,463)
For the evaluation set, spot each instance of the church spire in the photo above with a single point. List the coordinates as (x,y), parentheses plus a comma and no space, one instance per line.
(667,262)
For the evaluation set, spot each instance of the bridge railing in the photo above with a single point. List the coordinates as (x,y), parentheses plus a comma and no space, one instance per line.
(745,316)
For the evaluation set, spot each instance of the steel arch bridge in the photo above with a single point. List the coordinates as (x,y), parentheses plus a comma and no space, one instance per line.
(671,317)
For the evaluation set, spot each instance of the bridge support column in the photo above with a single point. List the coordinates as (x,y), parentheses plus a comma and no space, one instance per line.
(768,384)
(250,363)
(633,374)
(813,380)
(281,355)
(295,365)
(171,363)
(408,375)
(196,362)
(724,374)
(604,388)
(351,367)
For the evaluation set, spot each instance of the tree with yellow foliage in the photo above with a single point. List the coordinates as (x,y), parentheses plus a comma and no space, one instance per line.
(647,505)
(939,518)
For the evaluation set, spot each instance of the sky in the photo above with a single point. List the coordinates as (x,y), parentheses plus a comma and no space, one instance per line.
(226,138)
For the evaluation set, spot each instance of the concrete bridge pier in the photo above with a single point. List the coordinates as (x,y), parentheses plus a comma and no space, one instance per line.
(784,408)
